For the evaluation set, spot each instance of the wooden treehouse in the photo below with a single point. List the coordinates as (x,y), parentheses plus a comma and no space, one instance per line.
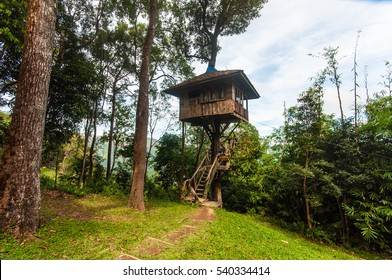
(213,101)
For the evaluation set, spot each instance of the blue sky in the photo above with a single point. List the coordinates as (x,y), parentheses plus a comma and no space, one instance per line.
(274,50)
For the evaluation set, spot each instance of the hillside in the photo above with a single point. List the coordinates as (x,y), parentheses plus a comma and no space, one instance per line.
(101,227)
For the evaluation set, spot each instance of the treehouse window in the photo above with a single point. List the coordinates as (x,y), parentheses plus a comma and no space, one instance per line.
(211,95)
(239,96)
(221,93)
(205,96)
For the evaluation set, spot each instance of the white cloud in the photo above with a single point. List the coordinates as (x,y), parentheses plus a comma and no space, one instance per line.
(274,51)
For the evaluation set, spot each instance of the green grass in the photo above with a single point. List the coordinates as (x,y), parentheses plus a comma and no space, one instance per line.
(108,230)
(101,227)
(236,236)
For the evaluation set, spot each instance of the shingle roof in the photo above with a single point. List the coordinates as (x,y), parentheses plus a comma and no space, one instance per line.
(237,75)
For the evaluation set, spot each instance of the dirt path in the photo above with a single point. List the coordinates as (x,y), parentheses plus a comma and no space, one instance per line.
(153,246)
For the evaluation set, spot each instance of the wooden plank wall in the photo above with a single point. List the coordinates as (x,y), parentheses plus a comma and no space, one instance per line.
(194,107)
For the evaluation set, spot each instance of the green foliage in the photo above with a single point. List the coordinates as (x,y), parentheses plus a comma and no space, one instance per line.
(379,114)
(169,165)
(168,160)
(209,20)
(47,179)
(12,21)
(122,175)
(5,121)
(242,189)
(348,175)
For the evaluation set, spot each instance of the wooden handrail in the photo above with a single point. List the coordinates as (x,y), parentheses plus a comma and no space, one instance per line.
(199,167)
(211,174)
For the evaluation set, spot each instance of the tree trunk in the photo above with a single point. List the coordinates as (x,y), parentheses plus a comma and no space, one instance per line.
(86,136)
(215,147)
(136,198)
(93,140)
(307,206)
(20,173)
(115,148)
(344,222)
(56,172)
(214,51)
(339,98)
(218,187)
(111,132)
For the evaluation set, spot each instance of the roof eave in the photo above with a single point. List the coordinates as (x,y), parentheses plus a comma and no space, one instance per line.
(238,75)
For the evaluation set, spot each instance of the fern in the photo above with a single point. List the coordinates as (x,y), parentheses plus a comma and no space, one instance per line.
(369,234)
(350,211)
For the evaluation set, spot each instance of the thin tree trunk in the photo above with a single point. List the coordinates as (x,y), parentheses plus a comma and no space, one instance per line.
(56,167)
(86,137)
(152,125)
(93,140)
(20,173)
(307,206)
(339,98)
(111,132)
(344,221)
(355,83)
(114,157)
(366,85)
(136,198)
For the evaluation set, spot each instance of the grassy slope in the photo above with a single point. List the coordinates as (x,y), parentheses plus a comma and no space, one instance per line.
(100,227)
(103,228)
(236,236)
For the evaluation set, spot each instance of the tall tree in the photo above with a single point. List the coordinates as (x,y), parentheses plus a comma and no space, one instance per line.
(136,198)
(73,78)
(355,82)
(332,70)
(208,19)
(305,123)
(19,177)
(119,67)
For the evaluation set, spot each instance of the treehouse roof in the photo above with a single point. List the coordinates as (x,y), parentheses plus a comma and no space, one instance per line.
(215,77)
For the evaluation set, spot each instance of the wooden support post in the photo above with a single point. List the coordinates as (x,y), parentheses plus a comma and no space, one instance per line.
(217,184)
(215,130)
(182,190)
(215,139)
